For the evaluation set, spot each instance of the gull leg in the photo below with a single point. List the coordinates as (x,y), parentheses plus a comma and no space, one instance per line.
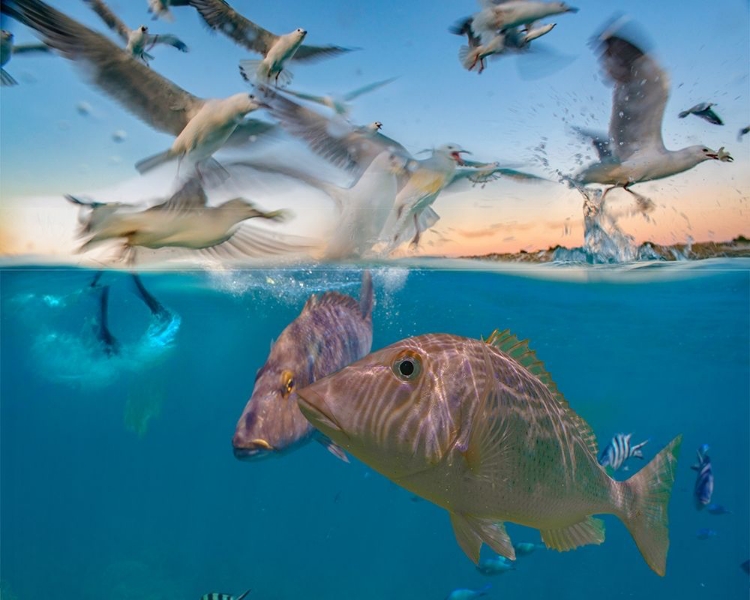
(111,345)
(156,308)
(643,204)
(481,65)
(415,241)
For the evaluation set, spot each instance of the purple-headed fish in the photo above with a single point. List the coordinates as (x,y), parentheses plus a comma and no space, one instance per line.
(480,429)
(332,331)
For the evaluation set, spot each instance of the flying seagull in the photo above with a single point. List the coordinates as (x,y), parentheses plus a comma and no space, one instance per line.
(201,126)
(340,104)
(633,151)
(496,17)
(704,111)
(184,221)
(8,50)
(138,41)
(276,49)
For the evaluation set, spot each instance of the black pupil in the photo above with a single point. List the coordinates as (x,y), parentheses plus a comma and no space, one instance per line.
(406,368)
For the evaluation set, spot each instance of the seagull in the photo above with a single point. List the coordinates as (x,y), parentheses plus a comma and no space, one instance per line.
(633,151)
(704,111)
(185,221)
(363,207)
(340,104)
(160,8)
(346,146)
(276,49)
(8,49)
(201,126)
(138,41)
(412,212)
(495,17)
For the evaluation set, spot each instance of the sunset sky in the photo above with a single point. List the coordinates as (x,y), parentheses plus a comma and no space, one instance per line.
(519,111)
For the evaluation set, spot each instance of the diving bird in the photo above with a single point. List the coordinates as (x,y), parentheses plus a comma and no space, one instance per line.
(184,221)
(138,41)
(704,111)
(412,213)
(276,49)
(633,151)
(340,105)
(201,126)
(8,50)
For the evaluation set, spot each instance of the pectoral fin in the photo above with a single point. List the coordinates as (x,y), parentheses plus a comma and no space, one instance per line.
(472,531)
(334,449)
(588,531)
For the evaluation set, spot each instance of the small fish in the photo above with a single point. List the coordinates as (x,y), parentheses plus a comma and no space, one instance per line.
(704,534)
(526,548)
(718,509)
(479,428)
(218,596)
(704,111)
(332,331)
(745,566)
(464,594)
(704,483)
(619,450)
(496,566)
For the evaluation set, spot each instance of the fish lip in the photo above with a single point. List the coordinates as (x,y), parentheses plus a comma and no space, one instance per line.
(260,449)
(313,413)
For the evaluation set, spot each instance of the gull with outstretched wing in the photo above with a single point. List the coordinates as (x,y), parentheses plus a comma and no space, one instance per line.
(8,50)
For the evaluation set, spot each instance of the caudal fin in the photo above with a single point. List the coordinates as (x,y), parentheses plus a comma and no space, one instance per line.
(647,497)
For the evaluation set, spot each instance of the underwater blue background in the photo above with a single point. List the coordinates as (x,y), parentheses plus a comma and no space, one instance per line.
(91,510)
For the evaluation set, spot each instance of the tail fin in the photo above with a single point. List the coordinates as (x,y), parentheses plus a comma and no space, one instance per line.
(366,296)
(6,79)
(154,161)
(646,517)
(684,114)
(241,596)
(467,58)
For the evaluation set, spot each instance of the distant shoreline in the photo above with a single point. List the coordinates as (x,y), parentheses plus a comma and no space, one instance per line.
(737,248)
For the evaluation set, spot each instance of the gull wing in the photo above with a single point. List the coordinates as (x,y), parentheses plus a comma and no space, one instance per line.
(600,141)
(365,89)
(335,140)
(110,19)
(190,196)
(710,115)
(248,241)
(491,172)
(219,16)
(311,53)
(640,95)
(167,39)
(248,131)
(141,90)
(30,48)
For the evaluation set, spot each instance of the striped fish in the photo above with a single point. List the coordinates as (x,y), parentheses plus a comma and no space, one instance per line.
(619,450)
(704,484)
(218,596)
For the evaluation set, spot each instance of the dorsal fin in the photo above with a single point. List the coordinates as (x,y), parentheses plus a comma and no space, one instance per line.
(332,299)
(519,351)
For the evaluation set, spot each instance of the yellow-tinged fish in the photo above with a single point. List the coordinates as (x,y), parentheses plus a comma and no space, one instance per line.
(480,429)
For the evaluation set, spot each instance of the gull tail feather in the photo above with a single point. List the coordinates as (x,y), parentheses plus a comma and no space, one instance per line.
(145,165)
(646,516)
(467,58)
(6,79)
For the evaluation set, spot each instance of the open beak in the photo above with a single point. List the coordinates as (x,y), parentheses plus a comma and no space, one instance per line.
(457,156)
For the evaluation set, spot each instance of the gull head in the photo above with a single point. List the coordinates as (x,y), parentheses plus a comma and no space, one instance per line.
(5,36)
(720,154)
(300,33)
(454,151)
(244,103)
(143,29)
(375,126)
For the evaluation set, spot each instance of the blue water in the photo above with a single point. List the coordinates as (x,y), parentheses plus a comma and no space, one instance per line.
(92,509)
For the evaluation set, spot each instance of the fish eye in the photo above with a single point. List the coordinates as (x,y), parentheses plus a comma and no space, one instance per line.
(287,382)
(407,366)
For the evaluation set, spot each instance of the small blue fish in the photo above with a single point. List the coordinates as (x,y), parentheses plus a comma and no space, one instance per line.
(218,596)
(704,534)
(718,509)
(704,484)
(619,450)
(526,548)
(468,594)
(496,566)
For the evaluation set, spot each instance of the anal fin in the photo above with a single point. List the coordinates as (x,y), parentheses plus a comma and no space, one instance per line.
(472,531)
(588,531)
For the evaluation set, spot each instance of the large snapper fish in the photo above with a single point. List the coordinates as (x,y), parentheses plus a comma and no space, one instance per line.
(480,429)
(332,331)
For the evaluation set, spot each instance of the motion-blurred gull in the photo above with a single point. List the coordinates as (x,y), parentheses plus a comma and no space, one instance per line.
(8,50)
(497,15)
(185,221)
(634,151)
(201,126)
(276,49)
(704,111)
(340,104)
(138,41)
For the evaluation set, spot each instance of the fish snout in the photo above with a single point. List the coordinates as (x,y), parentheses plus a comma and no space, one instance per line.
(314,408)
(250,450)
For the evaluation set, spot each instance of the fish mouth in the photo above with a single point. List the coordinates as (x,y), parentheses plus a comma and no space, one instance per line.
(313,408)
(254,450)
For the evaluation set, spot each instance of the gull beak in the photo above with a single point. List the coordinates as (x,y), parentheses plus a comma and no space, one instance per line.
(572,9)
(457,156)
